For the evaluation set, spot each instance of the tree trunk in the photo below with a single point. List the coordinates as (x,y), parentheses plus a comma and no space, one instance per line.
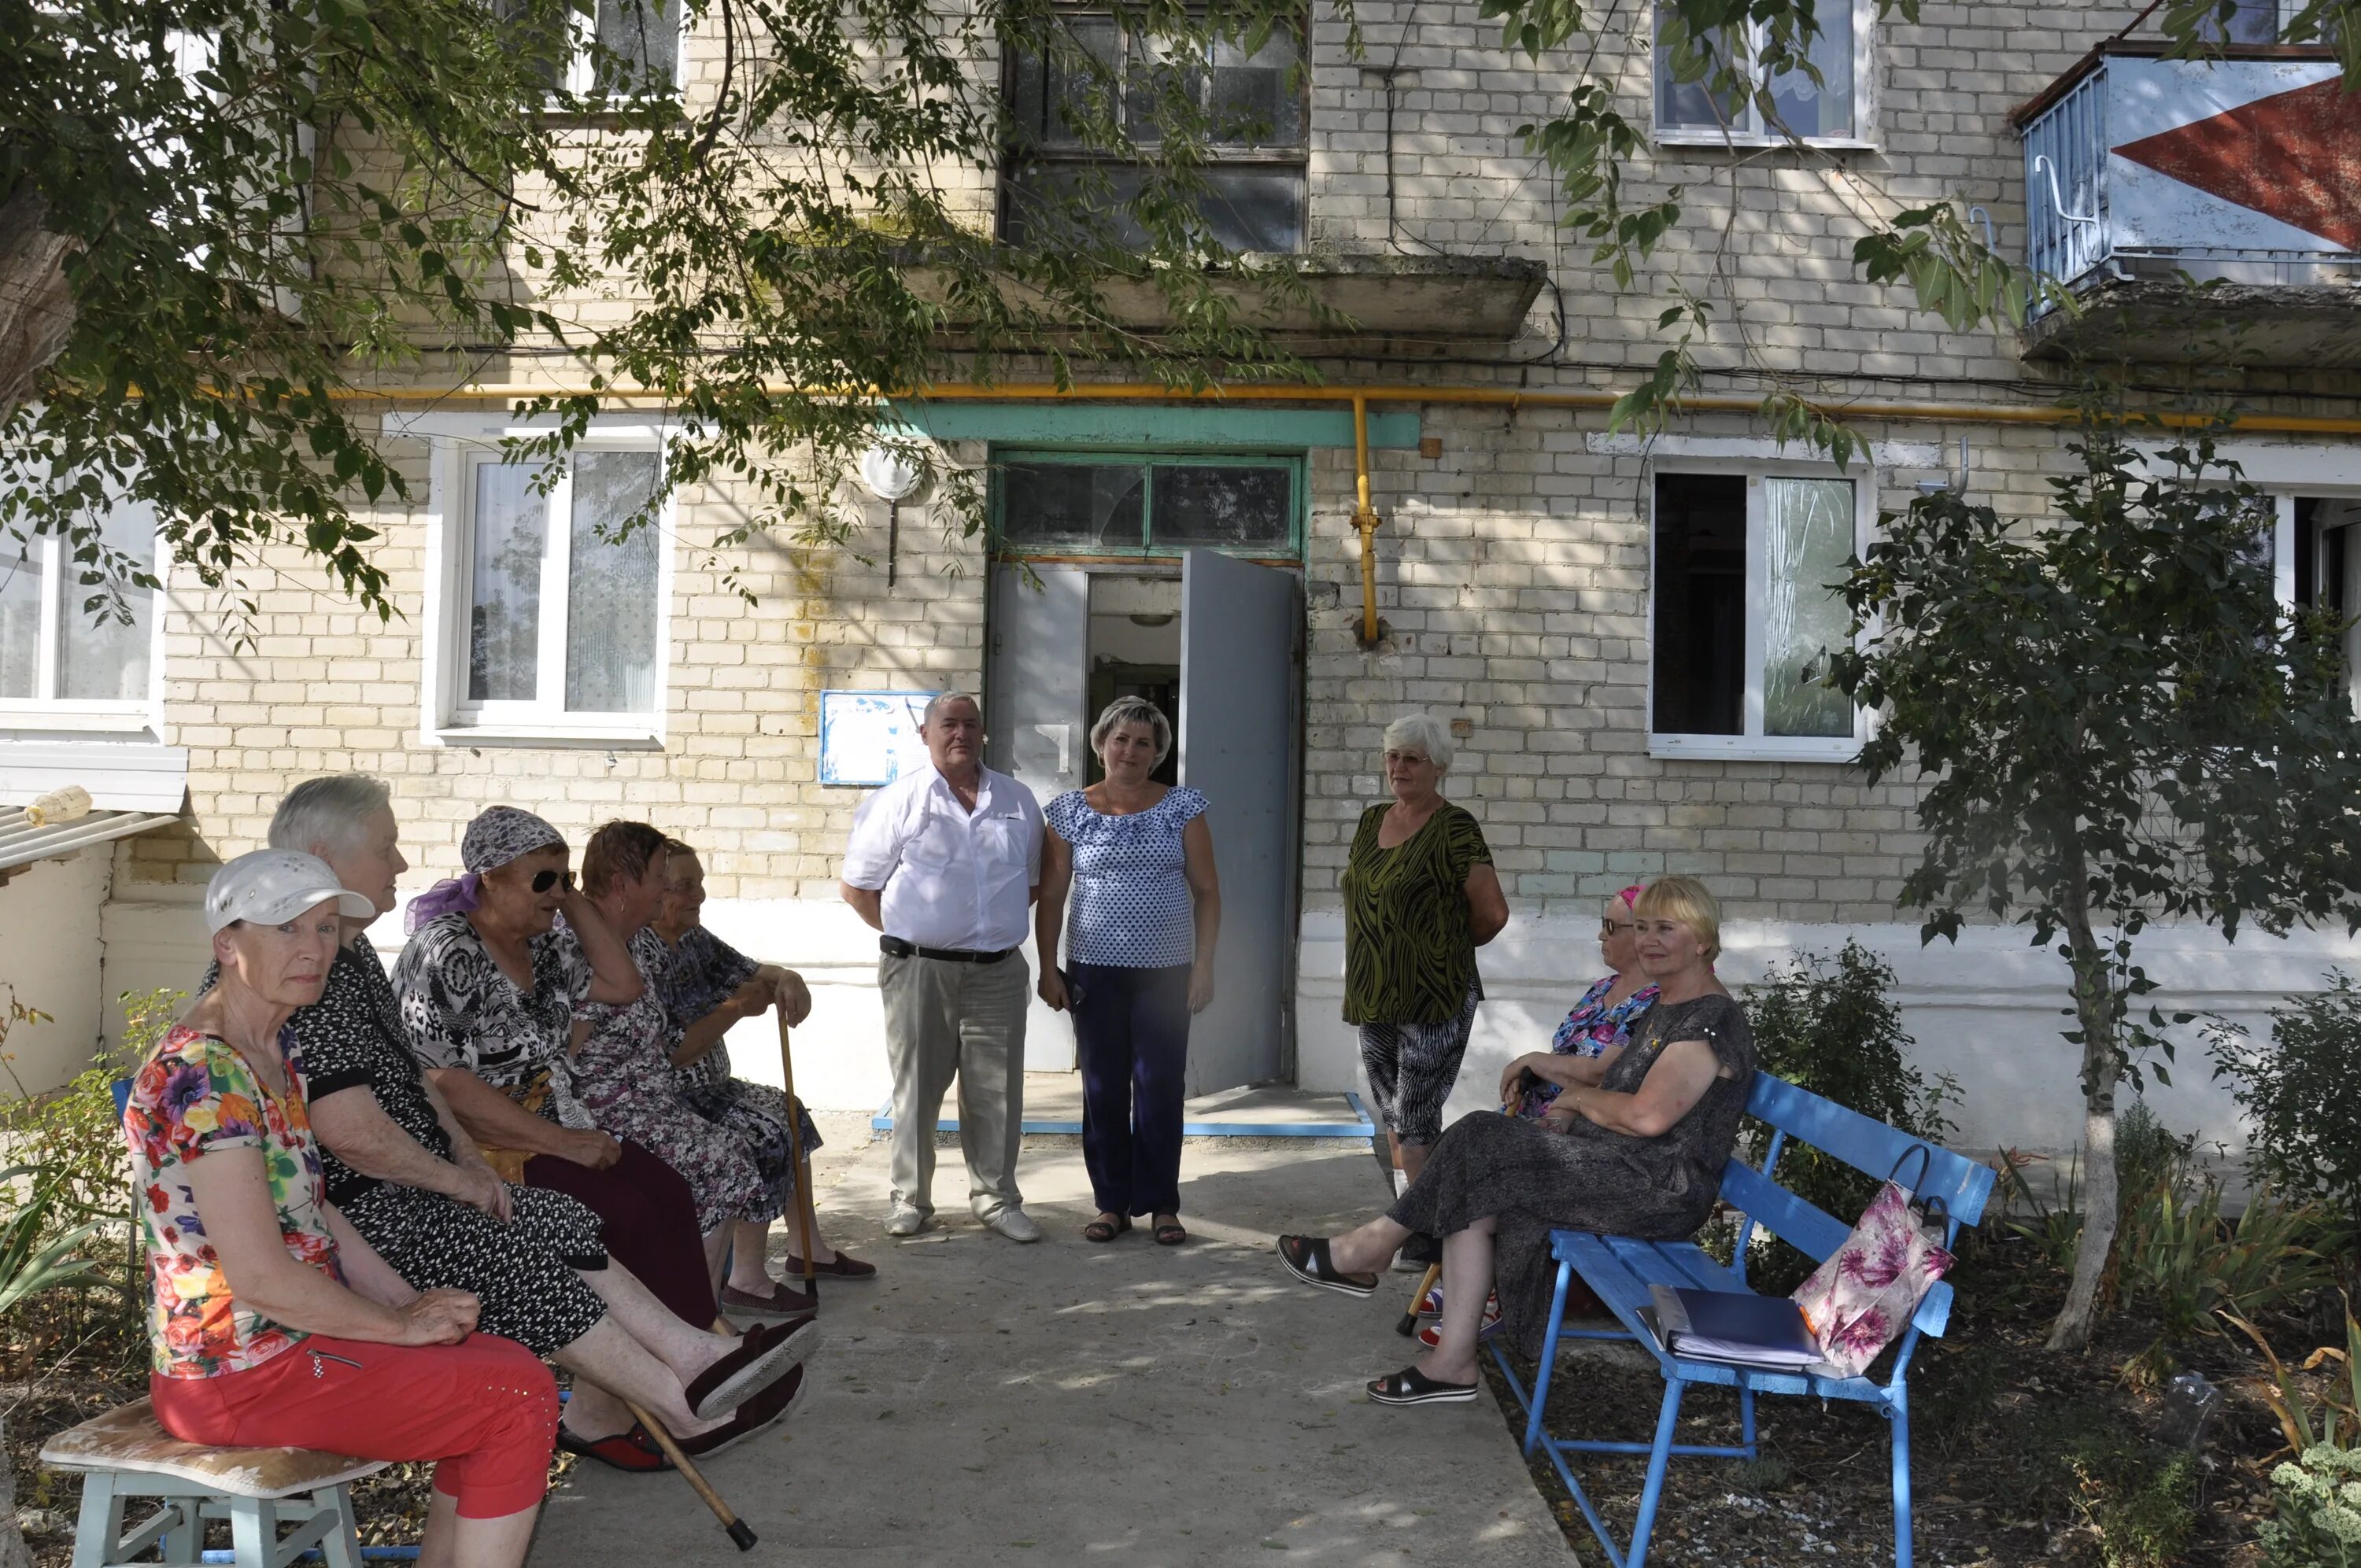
(36,309)
(2094,1006)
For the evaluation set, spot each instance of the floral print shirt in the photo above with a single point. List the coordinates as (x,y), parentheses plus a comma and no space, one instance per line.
(1591,1030)
(195,1095)
(692,979)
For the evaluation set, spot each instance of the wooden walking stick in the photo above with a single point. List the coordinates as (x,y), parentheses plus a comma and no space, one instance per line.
(1409,1324)
(804,1199)
(739,1530)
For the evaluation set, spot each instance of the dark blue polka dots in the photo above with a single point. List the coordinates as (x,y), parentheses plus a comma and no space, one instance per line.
(1130,904)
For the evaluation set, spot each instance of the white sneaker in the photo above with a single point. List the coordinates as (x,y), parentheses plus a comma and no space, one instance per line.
(1015,1224)
(904,1221)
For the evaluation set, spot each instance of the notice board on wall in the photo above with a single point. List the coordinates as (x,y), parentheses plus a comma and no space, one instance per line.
(871,737)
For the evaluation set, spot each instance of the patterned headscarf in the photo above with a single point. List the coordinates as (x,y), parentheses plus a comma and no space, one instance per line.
(498,834)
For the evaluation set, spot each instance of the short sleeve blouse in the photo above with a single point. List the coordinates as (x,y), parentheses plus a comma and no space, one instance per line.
(1410,951)
(1591,1028)
(695,976)
(460,1009)
(194,1096)
(1130,905)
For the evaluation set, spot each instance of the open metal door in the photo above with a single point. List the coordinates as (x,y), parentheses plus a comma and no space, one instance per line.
(1240,625)
(1036,680)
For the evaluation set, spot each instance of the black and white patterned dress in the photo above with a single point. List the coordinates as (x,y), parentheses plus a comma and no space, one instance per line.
(459,1009)
(1532,1179)
(524,1272)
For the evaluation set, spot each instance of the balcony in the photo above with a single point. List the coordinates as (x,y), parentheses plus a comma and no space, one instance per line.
(2190,203)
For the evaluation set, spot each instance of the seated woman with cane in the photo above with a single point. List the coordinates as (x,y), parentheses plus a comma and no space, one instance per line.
(706,986)
(1634,1146)
(272,1324)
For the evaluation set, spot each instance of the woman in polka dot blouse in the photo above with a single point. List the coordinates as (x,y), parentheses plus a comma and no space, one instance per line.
(1135,860)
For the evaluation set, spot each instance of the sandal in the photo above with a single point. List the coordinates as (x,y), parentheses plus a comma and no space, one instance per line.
(1412,1386)
(1307,1258)
(634,1452)
(1169,1233)
(1099,1229)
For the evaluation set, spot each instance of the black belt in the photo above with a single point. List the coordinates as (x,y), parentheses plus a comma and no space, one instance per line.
(894,948)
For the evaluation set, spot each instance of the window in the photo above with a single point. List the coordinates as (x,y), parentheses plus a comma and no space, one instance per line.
(65,649)
(1052,503)
(552,626)
(640,40)
(1832,109)
(1255,160)
(1745,617)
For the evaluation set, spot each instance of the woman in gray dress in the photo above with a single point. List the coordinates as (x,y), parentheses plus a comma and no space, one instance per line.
(1634,1146)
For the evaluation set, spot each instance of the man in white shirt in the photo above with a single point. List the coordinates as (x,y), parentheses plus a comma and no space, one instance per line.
(945,863)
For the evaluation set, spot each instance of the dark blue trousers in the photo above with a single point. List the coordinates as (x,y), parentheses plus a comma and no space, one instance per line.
(1131,1038)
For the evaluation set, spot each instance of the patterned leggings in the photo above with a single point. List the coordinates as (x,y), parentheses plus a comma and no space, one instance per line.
(1411,1068)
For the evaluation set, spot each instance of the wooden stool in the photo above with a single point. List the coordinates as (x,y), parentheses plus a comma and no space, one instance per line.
(127,1454)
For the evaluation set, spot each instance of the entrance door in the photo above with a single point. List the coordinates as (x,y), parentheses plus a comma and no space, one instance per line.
(1034,681)
(1239,625)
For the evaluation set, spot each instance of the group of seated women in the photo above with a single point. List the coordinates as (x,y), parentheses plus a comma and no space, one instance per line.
(1622,1127)
(373,1205)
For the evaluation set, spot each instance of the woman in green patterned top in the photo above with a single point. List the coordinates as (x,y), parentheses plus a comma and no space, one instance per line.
(1420,897)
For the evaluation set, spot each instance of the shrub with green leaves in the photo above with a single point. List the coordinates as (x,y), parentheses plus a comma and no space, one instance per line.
(2297,1091)
(1830,1025)
(2316,1499)
(2141,1499)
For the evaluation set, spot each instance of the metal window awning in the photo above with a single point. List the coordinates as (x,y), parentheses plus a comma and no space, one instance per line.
(121,775)
(21,843)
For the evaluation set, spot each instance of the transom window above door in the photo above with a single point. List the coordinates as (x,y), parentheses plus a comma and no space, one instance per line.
(1098,504)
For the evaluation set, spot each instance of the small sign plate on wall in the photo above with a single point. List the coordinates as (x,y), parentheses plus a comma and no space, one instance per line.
(870,737)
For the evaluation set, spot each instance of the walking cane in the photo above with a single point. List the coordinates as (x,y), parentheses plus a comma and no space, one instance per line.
(1409,1323)
(804,1197)
(739,1530)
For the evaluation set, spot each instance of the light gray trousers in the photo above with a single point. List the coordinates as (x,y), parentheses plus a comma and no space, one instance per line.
(944,1019)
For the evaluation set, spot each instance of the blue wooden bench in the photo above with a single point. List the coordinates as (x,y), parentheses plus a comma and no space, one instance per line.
(1620,1269)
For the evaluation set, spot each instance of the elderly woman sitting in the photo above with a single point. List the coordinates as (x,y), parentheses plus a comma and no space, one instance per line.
(271,1320)
(1634,1146)
(399,1167)
(706,986)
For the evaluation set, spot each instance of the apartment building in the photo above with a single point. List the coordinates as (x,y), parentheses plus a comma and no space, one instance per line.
(1620,632)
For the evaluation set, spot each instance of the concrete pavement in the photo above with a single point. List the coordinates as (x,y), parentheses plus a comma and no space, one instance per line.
(983,1402)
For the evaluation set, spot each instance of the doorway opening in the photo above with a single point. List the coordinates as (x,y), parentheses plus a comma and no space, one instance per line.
(1134,649)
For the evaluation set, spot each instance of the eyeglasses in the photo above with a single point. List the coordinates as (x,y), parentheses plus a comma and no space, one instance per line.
(1608,927)
(543,880)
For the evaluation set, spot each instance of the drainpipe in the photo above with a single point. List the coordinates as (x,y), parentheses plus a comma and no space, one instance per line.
(1365,518)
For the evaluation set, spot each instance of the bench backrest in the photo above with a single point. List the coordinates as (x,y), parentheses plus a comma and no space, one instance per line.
(1868,1145)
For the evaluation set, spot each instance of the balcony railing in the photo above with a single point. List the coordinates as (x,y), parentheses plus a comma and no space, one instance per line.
(2245,169)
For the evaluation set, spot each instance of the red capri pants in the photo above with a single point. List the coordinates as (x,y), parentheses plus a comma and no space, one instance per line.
(486,1409)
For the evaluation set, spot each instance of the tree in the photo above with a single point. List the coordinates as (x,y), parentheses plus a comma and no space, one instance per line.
(2113,721)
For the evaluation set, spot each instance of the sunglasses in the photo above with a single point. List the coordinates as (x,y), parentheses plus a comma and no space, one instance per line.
(543,880)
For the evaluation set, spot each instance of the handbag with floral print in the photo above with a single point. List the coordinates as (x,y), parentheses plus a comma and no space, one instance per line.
(1859,1301)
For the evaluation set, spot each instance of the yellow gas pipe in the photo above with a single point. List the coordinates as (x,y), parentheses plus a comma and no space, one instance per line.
(1365,518)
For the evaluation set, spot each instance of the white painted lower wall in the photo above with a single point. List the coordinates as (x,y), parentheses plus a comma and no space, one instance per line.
(50,951)
(1988,1010)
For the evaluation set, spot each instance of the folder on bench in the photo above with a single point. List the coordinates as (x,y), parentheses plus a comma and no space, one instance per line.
(1733,1326)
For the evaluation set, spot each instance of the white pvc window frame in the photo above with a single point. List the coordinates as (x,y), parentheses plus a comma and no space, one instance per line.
(45,710)
(1750,131)
(461,444)
(1752,744)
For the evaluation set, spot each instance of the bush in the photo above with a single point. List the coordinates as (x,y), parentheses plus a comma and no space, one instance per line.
(2316,1504)
(2297,1092)
(1829,1025)
(2142,1501)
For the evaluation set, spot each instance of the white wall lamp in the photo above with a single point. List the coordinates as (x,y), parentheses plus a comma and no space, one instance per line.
(891,474)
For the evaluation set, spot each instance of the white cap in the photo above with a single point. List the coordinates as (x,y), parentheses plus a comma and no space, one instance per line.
(272,885)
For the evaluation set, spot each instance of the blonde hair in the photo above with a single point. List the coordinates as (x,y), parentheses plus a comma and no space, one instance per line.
(1688,901)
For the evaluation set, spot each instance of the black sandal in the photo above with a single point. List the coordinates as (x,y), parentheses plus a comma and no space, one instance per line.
(1308,1260)
(1412,1386)
(1169,1233)
(1100,1230)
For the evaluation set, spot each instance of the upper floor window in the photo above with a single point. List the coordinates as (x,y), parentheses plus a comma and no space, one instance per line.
(1833,109)
(1745,616)
(638,47)
(1253,104)
(1099,504)
(542,624)
(66,647)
